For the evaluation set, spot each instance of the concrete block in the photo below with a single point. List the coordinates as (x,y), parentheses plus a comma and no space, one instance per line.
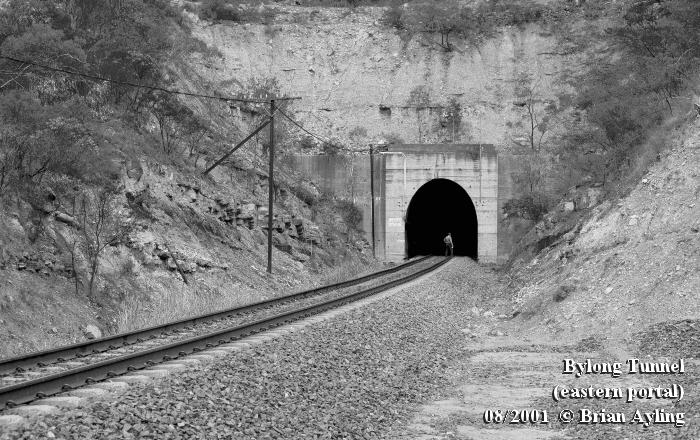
(215,352)
(111,386)
(240,344)
(72,364)
(257,339)
(202,357)
(52,370)
(33,410)
(173,366)
(159,372)
(132,378)
(185,361)
(227,348)
(88,392)
(61,401)
(10,420)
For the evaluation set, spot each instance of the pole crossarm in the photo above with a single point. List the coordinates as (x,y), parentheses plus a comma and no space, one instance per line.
(239,145)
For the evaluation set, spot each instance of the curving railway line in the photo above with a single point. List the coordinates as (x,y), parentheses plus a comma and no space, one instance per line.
(41,374)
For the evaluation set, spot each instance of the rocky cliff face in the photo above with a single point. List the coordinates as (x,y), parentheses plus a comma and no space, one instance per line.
(607,270)
(195,245)
(362,81)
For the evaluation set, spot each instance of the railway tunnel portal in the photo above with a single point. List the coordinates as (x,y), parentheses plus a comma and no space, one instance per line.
(440,207)
(412,195)
(422,192)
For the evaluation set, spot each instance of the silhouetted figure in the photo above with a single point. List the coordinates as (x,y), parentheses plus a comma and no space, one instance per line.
(449,246)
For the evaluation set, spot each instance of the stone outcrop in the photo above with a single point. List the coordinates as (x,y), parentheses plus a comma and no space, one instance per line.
(92,332)
(344,63)
(563,222)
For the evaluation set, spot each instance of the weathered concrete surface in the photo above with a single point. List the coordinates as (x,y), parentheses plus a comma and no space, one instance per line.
(408,167)
(347,177)
(398,173)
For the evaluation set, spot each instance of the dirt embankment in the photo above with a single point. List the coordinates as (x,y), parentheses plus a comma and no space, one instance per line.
(606,281)
(626,264)
(210,229)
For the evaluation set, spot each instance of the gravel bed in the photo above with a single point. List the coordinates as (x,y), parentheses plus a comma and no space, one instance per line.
(352,376)
(210,326)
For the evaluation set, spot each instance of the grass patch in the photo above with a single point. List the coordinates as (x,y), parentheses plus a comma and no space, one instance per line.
(174,301)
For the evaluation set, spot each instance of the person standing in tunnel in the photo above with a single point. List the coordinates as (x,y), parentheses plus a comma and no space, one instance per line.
(449,246)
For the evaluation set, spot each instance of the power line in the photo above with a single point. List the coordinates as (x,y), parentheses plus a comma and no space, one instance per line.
(155,88)
(182,93)
(25,64)
(279,170)
(258,165)
(325,141)
(142,86)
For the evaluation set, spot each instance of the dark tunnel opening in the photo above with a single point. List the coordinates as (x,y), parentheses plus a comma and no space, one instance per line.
(438,207)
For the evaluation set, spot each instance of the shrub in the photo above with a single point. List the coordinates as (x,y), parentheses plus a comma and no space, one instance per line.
(307,143)
(351,214)
(394,16)
(236,11)
(530,206)
(450,17)
(220,10)
(36,140)
(393,139)
(638,83)
(357,133)
(100,226)
(306,192)
(332,147)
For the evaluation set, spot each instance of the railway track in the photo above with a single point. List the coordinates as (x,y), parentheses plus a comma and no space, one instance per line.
(41,374)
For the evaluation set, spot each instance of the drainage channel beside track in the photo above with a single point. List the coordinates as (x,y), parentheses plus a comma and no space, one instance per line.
(41,374)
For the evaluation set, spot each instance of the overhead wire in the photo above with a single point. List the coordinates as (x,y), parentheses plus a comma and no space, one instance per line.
(259,164)
(183,93)
(326,122)
(141,86)
(27,63)
(260,160)
(325,141)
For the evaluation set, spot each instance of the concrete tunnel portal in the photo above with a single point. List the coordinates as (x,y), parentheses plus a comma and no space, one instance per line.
(438,207)
(413,194)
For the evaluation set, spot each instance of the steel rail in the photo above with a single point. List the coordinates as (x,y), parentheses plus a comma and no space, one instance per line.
(40,358)
(31,390)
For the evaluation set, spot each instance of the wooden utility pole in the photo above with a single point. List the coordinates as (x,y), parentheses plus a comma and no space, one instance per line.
(271,183)
(271,180)
(371,191)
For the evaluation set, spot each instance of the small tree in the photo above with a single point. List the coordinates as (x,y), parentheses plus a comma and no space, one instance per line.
(194,132)
(538,112)
(174,120)
(34,140)
(437,18)
(351,215)
(395,16)
(100,226)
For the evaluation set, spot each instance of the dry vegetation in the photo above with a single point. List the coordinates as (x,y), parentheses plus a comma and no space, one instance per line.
(64,139)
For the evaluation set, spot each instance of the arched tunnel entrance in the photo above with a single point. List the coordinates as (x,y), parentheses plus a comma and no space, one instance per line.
(438,207)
